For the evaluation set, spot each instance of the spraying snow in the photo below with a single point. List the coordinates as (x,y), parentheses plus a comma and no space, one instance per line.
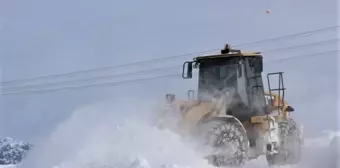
(120,135)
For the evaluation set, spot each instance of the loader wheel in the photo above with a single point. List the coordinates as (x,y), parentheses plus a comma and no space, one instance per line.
(290,147)
(227,142)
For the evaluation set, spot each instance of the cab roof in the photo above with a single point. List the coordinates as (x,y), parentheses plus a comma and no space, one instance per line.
(231,54)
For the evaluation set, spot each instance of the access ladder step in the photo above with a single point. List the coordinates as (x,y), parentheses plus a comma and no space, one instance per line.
(277,89)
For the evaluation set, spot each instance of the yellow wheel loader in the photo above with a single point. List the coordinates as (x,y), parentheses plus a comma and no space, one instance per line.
(232,115)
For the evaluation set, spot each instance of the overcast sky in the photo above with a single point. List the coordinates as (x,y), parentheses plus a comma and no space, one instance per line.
(40,37)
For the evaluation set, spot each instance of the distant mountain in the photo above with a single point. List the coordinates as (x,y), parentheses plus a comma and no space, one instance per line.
(12,151)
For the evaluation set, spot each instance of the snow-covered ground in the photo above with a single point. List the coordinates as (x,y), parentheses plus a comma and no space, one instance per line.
(7,166)
(127,140)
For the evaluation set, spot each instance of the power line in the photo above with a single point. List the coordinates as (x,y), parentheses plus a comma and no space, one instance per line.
(106,68)
(304,56)
(304,45)
(171,57)
(290,36)
(90,79)
(165,76)
(96,85)
(163,69)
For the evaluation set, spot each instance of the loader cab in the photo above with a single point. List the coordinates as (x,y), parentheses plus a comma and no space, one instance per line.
(235,74)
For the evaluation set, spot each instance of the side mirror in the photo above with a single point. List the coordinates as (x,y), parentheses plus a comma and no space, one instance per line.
(188,74)
(289,109)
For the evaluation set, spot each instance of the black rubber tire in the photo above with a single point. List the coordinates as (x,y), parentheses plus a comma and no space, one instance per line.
(289,152)
(212,132)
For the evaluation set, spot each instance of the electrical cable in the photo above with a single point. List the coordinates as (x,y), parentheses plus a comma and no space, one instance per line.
(171,57)
(165,76)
